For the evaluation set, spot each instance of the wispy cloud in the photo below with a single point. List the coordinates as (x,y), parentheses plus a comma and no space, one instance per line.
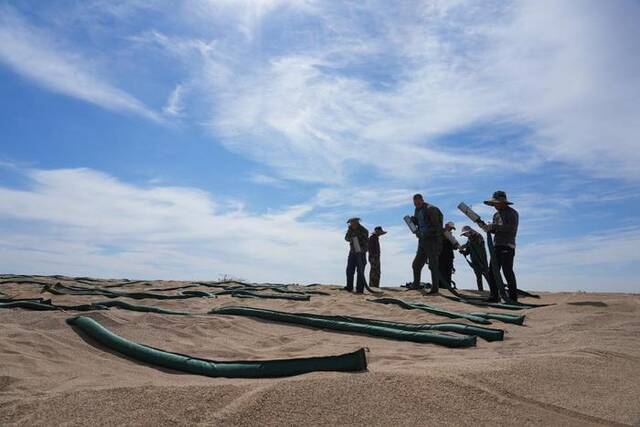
(36,55)
(356,79)
(175,104)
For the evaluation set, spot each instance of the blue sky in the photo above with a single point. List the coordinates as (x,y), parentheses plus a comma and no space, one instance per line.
(192,139)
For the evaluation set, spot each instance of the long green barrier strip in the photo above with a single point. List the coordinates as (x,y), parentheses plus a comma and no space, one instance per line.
(29,305)
(46,305)
(433,310)
(60,289)
(339,325)
(483,318)
(526,294)
(504,306)
(247,294)
(502,317)
(350,362)
(489,334)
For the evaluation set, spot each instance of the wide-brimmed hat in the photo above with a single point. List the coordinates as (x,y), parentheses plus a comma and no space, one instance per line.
(451,225)
(498,197)
(466,230)
(379,230)
(354,219)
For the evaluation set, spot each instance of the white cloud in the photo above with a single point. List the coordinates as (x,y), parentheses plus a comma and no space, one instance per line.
(356,83)
(35,55)
(85,222)
(80,221)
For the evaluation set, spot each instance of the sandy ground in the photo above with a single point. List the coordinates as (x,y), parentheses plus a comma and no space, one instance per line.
(574,363)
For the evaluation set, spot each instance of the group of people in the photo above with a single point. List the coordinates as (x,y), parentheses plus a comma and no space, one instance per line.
(436,248)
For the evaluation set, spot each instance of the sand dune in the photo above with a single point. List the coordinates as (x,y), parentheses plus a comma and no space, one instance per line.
(573,363)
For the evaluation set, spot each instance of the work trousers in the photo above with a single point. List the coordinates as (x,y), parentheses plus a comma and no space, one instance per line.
(428,253)
(355,264)
(374,271)
(478,274)
(446,269)
(504,259)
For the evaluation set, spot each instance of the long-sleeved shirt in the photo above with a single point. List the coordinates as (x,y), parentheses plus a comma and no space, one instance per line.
(363,238)
(374,245)
(505,227)
(476,249)
(428,218)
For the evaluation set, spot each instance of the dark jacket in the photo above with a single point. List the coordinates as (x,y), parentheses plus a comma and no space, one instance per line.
(476,249)
(446,255)
(374,245)
(428,218)
(363,237)
(505,227)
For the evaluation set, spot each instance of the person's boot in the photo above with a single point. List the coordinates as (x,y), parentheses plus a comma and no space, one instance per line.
(433,290)
(493,298)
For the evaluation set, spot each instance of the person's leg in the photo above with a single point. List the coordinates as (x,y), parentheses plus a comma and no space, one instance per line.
(433,258)
(445,270)
(374,272)
(494,286)
(360,266)
(506,255)
(351,270)
(418,263)
(479,280)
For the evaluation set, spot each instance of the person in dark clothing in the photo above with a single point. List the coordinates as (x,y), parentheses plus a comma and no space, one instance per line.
(358,238)
(505,229)
(476,249)
(447,256)
(374,257)
(428,220)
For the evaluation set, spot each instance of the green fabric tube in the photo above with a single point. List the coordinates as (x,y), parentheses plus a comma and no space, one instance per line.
(489,334)
(338,325)
(46,305)
(349,362)
(432,309)
(484,317)
(504,306)
(502,317)
(29,305)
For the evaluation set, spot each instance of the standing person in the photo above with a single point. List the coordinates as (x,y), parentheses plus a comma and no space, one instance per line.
(374,256)
(358,238)
(476,249)
(428,220)
(446,256)
(505,228)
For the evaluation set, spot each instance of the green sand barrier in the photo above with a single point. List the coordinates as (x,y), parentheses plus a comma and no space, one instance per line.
(334,323)
(489,334)
(482,318)
(349,362)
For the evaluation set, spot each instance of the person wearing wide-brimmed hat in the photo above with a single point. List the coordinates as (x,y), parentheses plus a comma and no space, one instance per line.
(446,256)
(374,256)
(358,238)
(505,229)
(477,251)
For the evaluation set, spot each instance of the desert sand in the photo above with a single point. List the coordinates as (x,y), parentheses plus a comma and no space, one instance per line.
(576,362)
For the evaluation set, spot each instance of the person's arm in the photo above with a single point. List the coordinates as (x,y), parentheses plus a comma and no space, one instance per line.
(348,236)
(434,222)
(464,249)
(364,239)
(374,246)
